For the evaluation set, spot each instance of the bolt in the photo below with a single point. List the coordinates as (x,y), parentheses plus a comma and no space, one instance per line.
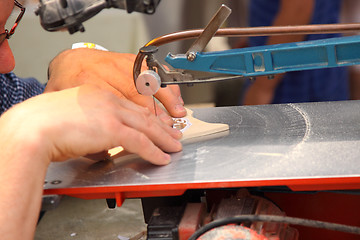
(191,56)
(55,182)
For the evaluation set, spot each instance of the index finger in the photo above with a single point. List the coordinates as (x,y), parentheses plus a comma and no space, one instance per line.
(170,97)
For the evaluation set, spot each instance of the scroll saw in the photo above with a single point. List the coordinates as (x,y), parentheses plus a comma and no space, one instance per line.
(279,164)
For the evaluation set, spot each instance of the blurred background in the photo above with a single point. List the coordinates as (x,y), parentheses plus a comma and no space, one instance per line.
(119,31)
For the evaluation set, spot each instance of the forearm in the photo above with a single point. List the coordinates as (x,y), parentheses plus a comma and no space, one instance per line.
(292,12)
(262,90)
(22,173)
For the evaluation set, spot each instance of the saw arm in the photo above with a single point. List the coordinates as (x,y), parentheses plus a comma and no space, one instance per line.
(198,66)
(274,59)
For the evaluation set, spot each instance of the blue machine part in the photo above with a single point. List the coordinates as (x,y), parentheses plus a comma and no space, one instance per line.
(274,59)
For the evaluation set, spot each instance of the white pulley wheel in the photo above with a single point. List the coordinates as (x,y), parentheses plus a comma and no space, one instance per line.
(148,83)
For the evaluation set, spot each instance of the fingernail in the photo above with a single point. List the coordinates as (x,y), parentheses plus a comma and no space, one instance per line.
(180,108)
(181,100)
(167,158)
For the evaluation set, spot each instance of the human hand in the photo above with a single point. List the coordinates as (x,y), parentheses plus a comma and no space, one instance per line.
(111,71)
(86,120)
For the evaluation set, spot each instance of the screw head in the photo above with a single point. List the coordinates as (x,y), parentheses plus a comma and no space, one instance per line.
(191,56)
(55,182)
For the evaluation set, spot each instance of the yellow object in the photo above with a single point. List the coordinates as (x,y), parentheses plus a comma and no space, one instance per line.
(88,45)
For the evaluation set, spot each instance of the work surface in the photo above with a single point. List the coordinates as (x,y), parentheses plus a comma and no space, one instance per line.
(312,146)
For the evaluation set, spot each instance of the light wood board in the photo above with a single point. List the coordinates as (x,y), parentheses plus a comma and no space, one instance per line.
(193,130)
(196,128)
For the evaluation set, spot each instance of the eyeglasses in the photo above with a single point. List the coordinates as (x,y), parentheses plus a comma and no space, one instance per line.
(7,34)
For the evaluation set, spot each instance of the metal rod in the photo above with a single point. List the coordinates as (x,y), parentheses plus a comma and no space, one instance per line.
(259,31)
(209,31)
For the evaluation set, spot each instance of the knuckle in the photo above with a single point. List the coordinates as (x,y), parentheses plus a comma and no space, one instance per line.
(131,92)
(143,141)
(112,123)
(147,118)
(82,77)
(147,113)
(148,123)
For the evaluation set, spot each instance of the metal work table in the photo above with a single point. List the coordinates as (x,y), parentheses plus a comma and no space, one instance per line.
(311,146)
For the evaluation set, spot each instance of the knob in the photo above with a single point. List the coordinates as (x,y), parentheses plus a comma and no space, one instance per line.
(148,83)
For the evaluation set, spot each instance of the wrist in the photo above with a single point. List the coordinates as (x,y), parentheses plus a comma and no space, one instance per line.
(24,136)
